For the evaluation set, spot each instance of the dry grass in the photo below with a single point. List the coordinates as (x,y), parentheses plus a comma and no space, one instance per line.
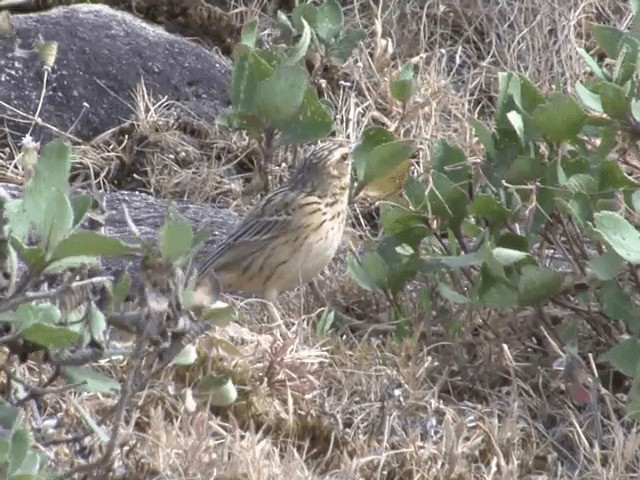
(484,403)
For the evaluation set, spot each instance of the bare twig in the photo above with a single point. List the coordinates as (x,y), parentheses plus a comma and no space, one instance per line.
(12,302)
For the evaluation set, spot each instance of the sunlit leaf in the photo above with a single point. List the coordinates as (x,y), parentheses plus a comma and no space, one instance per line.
(90,380)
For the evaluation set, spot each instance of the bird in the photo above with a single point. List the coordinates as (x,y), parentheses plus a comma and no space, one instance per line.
(291,235)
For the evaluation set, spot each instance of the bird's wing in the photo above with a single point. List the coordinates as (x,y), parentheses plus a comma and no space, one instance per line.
(260,227)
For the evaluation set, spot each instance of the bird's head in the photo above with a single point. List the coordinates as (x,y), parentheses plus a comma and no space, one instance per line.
(326,168)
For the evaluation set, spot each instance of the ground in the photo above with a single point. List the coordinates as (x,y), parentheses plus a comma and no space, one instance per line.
(474,396)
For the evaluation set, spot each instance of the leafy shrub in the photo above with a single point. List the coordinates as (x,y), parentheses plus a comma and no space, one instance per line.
(555,177)
(274,101)
(56,303)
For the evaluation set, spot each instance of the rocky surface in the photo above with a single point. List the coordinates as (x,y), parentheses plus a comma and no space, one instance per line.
(148,214)
(103,53)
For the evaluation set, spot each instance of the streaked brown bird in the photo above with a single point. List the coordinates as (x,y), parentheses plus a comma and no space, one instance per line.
(292,235)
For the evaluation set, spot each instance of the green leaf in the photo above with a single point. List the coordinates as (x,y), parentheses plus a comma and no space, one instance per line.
(560,119)
(396,219)
(404,85)
(446,200)
(426,305)
(578,208)
(45,191)
(249,33)
(635,108)
(606,266)
(226,346)
(537,285)
(489,208)
(5,445)
(620,234)
(59,266)
(512,241)
(187,356)
(36,313)
(517,91)
(612,177)
(97,323)
(80,204)
(313,122)
(589,99)
(175,239)
(29,468)
(341,49)
(400,272)
(485,136)
(404,223)
(225,118)
(508,256)
(617,304)
(460,261)
(307,11)
(248,70)
(370,139)
(416,193)
(525,169)
(219,388)
(57,222)
(608,38)
(199,238)
(450,294)
(451,161)
(20,445)
(8,415)
(635,201)
(34,256)
(121,288)
(383,158)
(515,119)
(546,198)
(219,314)
(370,271)
(614,99)
(50,336)
(492,264)
(326,322)
(90,380)
(285,26)
(18,225)
(583,183)
(625,357)
(592,64)
(471,229)
(90,244)
(330,20)
(54,165)
(626,62)
(299,50)
(493,292)
(279,97)
(526,95)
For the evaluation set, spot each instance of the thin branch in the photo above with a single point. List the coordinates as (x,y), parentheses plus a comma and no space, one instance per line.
(12,302)
(137,358)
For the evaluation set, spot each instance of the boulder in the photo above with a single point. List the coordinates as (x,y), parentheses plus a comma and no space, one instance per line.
(102,55)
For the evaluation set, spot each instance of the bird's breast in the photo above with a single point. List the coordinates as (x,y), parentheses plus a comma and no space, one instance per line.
(319,232)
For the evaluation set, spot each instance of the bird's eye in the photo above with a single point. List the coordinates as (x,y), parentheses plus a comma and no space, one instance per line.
(344,156)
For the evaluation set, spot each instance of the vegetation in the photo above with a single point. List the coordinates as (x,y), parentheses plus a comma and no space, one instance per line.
(535,219)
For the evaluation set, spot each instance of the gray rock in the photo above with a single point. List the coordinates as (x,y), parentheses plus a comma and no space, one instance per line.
(148,214)
(103,53)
